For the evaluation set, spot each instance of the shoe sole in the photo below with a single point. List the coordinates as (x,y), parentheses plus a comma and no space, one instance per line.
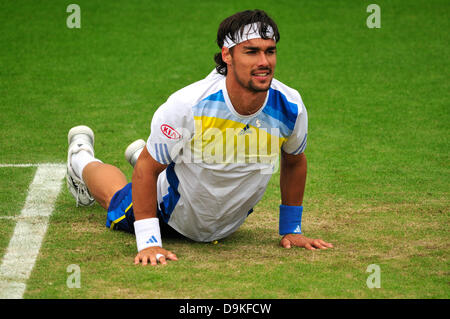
(133,148)
(81,129)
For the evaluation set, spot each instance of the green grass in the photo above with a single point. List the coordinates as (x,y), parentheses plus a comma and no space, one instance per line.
(378,144)
(13,184)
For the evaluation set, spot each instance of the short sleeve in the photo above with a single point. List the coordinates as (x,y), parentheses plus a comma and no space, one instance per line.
(171,127)
(296,142)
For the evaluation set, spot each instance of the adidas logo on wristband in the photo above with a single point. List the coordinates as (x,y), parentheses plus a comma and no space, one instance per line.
(152,240)
(147,233)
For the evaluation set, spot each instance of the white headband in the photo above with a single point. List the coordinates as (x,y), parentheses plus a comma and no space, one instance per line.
(251,31)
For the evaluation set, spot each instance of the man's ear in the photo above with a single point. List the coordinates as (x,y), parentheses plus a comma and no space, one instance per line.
(226,55)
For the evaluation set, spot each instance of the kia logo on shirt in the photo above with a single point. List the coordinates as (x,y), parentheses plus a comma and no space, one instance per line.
(170,132)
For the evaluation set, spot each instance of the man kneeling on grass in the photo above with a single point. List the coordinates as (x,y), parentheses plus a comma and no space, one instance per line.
(211,152)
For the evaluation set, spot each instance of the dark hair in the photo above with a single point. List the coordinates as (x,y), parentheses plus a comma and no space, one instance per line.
(231,25)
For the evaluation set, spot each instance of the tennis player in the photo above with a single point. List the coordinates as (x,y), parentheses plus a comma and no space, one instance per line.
(212,150)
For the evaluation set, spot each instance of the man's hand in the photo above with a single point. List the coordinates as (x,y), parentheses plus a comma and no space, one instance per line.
(299,240)
(150,253)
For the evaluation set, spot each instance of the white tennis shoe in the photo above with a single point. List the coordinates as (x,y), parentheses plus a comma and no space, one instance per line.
(79,138)
(134,150)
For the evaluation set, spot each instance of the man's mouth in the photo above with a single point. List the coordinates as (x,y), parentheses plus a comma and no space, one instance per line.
(261,74)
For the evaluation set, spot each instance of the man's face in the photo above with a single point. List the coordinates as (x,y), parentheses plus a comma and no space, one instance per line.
(252,64)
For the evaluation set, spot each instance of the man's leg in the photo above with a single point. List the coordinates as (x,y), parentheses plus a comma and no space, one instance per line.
(88,178)
(103,181)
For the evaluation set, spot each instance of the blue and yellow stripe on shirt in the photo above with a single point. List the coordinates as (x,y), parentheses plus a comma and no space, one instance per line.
(222,137)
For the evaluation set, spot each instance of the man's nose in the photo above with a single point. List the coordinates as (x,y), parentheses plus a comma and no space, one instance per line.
(262,59)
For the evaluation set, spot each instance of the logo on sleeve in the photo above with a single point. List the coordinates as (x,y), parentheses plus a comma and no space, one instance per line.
(170,132)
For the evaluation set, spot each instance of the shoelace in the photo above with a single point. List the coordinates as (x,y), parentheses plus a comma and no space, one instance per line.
(82,190)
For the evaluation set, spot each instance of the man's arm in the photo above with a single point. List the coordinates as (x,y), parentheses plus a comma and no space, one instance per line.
(144,194)
(292,178)
(292,185)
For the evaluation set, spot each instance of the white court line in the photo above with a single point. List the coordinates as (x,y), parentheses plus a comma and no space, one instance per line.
(19,165)
(30,165)
(25,243)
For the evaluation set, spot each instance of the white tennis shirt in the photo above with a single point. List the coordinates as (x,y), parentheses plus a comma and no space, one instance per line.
(220,162)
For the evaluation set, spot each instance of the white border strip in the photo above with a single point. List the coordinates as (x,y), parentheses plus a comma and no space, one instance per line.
(31,226)
(31,165)
(19,165)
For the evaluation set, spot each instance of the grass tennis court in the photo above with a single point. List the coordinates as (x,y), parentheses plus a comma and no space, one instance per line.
(378,144)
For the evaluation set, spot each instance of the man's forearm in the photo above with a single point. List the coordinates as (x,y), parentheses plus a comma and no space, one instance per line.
(146,225)
(292,179)
(144,194)
(144,181)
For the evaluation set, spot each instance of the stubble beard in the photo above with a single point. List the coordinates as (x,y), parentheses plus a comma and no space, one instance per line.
(250,85)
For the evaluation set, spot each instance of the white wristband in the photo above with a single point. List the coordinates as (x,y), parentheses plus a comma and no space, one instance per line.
(147,233)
